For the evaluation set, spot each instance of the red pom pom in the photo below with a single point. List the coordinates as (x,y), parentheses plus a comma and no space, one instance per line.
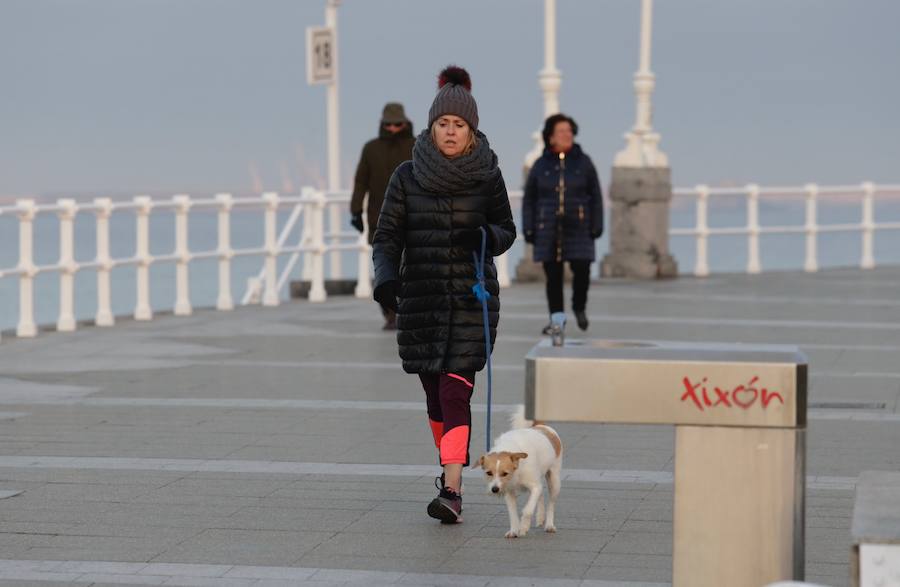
(455,75)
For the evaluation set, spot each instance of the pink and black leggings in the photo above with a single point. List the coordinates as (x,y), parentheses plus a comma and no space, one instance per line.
(448,396)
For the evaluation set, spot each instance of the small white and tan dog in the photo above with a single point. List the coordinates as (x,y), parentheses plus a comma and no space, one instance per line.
(519,459)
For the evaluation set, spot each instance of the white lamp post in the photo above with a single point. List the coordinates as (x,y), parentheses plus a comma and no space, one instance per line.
(641,186)
(642,149)
(550,80)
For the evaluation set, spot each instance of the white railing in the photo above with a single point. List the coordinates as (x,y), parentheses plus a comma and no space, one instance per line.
(337,239)
(811,228)
(309,210)
(311,204)
(309,213)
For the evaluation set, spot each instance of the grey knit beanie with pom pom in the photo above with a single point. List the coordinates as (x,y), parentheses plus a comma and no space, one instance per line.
(454,97)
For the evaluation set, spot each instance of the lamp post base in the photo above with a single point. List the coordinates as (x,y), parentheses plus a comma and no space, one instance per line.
(639,237)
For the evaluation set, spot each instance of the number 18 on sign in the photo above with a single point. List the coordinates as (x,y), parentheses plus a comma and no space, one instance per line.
(320,63)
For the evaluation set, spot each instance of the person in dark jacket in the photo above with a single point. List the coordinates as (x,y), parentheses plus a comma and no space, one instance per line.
(380,157)
(562,214)
(435,210)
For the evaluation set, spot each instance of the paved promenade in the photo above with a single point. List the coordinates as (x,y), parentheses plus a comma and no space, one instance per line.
(285,446)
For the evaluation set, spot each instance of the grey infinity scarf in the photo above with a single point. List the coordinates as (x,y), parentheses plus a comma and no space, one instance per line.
(436,173)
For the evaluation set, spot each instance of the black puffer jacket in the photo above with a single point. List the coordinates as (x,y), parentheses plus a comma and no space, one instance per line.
(439,322)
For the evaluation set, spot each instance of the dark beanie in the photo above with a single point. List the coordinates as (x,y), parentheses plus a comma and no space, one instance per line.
(454,97)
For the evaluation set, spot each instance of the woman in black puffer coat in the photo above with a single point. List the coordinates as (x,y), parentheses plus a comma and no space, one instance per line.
(562,214)
(431,222)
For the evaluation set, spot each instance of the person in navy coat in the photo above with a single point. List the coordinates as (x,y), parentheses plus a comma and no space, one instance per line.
(562,214)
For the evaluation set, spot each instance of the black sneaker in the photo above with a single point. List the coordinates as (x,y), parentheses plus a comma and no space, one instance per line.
(446,507)
(547,329)
(439,483)
(582,319)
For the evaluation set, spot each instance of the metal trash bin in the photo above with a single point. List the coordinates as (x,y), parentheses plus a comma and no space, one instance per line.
(739,413)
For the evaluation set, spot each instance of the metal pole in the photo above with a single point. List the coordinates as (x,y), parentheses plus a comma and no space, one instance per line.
(334,148)
(550,78)
(644,79)
(646,33)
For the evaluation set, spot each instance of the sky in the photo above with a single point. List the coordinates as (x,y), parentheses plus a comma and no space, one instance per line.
(116,97)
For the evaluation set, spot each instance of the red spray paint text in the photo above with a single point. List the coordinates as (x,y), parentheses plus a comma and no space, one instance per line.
(742,396)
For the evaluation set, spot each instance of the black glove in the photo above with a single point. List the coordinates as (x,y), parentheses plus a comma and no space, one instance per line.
(470,238)
(529,237)
(595,234)
(357,222)
(386,294)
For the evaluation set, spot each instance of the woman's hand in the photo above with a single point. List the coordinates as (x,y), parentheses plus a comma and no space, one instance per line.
(386,294)
(356,222)
(470,238)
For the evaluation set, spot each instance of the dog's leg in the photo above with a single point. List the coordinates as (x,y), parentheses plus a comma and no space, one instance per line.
(528,511)
(510,497)
(539,515)
(553,484)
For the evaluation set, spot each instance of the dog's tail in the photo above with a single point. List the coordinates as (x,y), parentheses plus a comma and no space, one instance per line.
(517,419)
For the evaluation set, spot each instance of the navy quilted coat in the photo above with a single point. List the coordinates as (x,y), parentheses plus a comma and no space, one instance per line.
(582,221)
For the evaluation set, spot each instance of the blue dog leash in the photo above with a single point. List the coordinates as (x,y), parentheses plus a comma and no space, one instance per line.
(482,294)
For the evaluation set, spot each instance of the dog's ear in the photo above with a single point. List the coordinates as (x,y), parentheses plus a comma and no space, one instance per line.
(479,462)
(516,456)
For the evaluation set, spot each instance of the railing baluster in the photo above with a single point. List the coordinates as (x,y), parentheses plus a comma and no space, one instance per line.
(701,265)
(104,315)
(26,327)
(363,280)
(811,264)
(142,310)
(334,217)
(224,301)
(317,291)
(753,265)
(270,291)
(182,277)
(868,226)
(306,239)
(502,263)
(66,320)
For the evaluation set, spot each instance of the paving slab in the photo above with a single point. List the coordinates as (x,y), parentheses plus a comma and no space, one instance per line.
(286,444)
